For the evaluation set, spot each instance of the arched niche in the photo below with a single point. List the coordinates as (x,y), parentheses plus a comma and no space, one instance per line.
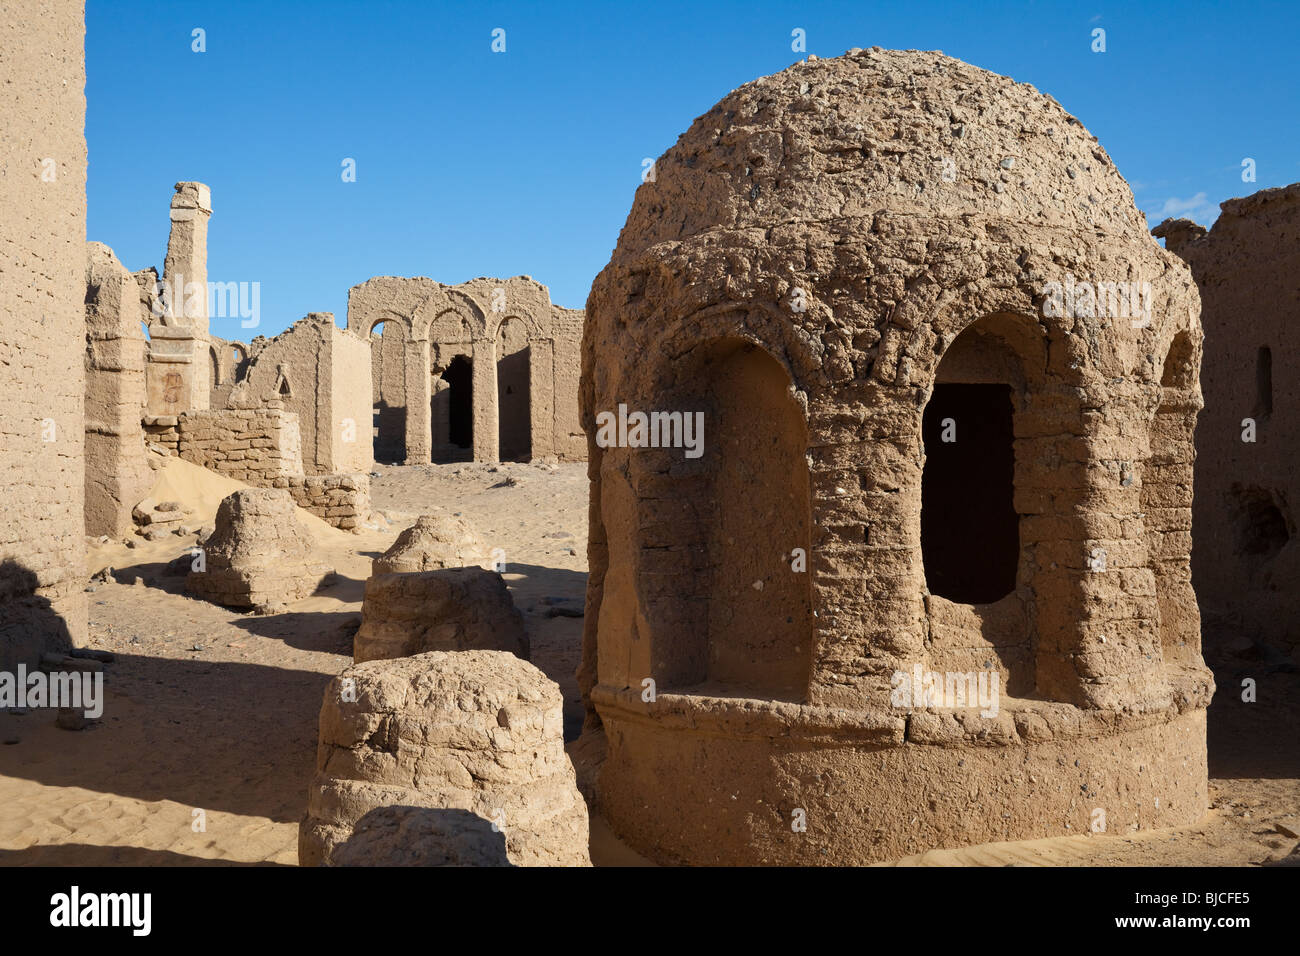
(1166,499)
(727,605)
(388,384)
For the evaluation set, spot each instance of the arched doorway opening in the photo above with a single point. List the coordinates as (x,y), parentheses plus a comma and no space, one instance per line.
(388,383)
(452,411)
(514,428)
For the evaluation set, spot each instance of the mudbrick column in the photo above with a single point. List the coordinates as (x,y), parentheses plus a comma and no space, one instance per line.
(487,441)
(185,275)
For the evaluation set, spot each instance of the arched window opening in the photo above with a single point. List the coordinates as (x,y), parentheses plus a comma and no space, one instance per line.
(1179,369)
(970,531)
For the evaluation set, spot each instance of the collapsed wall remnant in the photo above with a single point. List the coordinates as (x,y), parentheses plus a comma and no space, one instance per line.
(436,540)
(259,556)
(290,412)
(252,445)
(485,370)
(926,582)
(117,468)
(449,732)
(322,373)
(454,609)
(262,446)
(178,374)
(160,518)
(1246,558)
(340,500)
(42,333)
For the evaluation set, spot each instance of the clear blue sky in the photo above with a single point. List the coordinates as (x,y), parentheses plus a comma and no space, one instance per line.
(475,163)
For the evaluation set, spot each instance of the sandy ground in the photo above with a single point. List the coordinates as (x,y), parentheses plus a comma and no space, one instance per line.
(208,738)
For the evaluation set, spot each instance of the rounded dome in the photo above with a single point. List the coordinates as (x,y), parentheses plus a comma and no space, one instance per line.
(905,131)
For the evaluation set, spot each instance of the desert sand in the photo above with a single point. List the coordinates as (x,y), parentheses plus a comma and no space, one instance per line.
(211,715)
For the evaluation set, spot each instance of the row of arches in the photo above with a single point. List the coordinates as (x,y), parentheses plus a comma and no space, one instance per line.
(454,412)
(447,317)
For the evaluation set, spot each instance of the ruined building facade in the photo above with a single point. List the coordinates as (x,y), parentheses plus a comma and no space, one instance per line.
(42,325)
(486,370)
(290,412)
(917,460)
(1246,558)
(321,373)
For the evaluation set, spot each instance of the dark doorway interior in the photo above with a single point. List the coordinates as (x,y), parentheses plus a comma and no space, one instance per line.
(460,402)
(970,533)
(515,429)
(389,433)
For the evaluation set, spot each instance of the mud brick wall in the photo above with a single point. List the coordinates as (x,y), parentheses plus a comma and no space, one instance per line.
(570,441)
(1247,504)
(161,430)
(341,500)
(322,373)
(260,447)
(254,446)
(42,329)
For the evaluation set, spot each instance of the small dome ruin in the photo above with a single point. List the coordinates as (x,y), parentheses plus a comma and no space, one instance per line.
(437,540)
(472,738)
(925,580)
